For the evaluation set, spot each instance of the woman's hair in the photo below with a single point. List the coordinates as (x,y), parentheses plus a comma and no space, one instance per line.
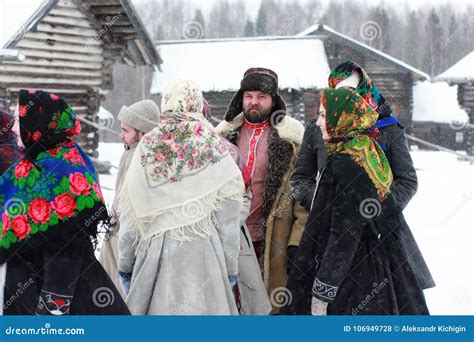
(322,98)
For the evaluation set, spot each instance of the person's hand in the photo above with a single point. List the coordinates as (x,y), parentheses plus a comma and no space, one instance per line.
(318,307)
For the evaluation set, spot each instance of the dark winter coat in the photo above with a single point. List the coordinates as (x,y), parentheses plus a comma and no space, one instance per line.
(37,285)
(350,258)
(313,156)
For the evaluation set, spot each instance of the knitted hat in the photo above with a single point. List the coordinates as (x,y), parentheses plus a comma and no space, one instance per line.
(142,115)
(257,79)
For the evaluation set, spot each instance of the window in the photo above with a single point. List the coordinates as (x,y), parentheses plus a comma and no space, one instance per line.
(459,137)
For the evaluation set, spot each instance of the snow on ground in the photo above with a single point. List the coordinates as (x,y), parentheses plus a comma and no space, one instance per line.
(440,216)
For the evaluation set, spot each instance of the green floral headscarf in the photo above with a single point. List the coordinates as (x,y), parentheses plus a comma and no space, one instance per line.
(348,120)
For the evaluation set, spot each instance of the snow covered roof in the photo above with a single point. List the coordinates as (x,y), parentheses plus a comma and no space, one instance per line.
(16,18)
(219,64)
(461,72)
(10,54)
(437,102)
(324,30)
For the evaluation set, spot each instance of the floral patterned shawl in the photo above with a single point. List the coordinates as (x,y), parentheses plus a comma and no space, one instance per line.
(366,88)
(57,191)
(348,119)
(181,169)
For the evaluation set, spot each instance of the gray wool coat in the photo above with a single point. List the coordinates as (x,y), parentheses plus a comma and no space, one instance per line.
(171,277)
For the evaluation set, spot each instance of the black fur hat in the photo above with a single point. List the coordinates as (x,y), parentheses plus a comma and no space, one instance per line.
(261,79)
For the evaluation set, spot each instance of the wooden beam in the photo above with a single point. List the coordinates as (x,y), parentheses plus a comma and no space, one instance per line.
(41,45)
(70,91)
(32,61)
(61,55)
(97,10)
(67,12)
(75,31)
(28,70)
(67,21)
(11,81)
(51,81)
(63,38)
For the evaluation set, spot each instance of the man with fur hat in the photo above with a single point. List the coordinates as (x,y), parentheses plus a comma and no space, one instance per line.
(135,121)
(269,141)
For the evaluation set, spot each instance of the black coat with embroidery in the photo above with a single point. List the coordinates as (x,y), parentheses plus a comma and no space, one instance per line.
(351,258)
(313,156)
(60,277)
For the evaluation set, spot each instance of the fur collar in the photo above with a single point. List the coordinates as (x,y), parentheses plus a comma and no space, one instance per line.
(289,128)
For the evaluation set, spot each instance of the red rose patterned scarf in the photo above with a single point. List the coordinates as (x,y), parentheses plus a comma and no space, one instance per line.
(54,190)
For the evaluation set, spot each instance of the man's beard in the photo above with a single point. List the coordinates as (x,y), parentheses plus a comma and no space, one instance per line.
(257,114)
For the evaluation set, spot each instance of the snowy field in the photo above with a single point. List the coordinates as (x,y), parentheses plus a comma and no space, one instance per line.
(440,216)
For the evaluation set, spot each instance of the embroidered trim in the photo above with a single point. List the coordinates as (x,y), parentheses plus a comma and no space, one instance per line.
(53,303)
(256,125)
(324,290)
(253,143)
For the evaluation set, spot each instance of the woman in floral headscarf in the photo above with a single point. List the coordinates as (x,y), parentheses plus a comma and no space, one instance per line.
(179,214)
(51,206)
(391,137)
(350,260)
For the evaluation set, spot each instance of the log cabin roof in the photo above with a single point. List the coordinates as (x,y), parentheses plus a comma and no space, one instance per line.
(460,72)
(323,32)
(114,21)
